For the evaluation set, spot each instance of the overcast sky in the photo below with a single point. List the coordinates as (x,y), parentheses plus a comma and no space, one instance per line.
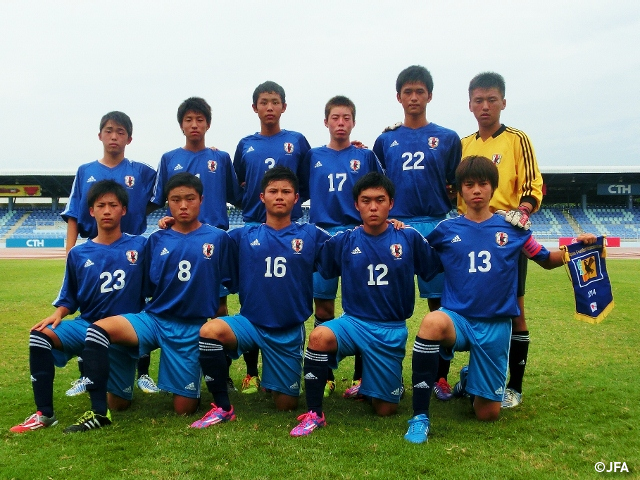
(572,70)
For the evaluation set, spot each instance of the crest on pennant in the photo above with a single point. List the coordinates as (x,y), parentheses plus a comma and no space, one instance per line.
(433,142)
(129,180)
(212,165)
(396,250)
(132,256)
(502,238)
(288,147)
(207,249)
(355,165)
(297,244)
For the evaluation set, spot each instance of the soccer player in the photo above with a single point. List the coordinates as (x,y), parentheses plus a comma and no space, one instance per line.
(420,158)
(479,252)
(103,277)
(138,179)
(277,260)
(519,191)
(255,155)
(186,265)
(377,264)
(332,171)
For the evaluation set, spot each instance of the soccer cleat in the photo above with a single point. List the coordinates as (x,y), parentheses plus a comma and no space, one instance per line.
(329,388)
(214,416)
(78,387)
(460,388)
(442,389)
(418,429)
(511,398)
(308,423)
(250,384)
(147,385)
(353,391)
(89,421)
(230,385)
(35,422)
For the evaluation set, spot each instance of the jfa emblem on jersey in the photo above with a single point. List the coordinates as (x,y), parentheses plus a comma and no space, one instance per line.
(587,268)
(496,158)
(355,165)
(502,238)
(396,250)
(132,256)
(297,245)
(433,142)
(207,249)
(212,165)
(288,147)
(129,181)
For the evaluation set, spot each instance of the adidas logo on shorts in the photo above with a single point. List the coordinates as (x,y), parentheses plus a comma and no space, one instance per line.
(191,386)
(397,392)
(295,386)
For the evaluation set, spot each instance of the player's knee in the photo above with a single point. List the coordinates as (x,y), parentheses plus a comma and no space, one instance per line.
(384,409)
(487,411)
(215,330)
(116,403)
(322,339)
(434,325)
(184,405)
(285,403)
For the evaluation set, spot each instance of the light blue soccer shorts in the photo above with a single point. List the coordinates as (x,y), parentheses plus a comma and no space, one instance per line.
(123,360)
(282,351)
(382,346)
(179,370)
(323,288)
(425,225)
(488,344)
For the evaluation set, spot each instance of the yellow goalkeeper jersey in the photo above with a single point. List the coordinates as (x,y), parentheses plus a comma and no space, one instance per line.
(520,179)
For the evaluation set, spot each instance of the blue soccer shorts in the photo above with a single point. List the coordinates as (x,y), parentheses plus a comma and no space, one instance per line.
(487,342)
(425,225)
(179,369)
(382,346)
(282,352)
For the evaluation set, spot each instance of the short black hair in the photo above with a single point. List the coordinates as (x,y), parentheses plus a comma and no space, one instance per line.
(103,187)
(374,180)
(183,179)
(195,104)
(279,172)
(415,74)
(268,87)
(120,118)
(476,168)
(488,80)
(340,101)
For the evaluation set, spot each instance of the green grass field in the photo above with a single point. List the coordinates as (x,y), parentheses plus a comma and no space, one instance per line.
(581,406)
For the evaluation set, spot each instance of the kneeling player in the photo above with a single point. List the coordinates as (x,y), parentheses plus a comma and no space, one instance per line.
(186,265)
(377,264)
(277,261)
(477,250)
(103,277)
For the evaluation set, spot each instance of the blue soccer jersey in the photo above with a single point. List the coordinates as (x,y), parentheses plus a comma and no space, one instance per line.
(218,177)
(377,271)
(138,178)
(481,265)
(255,155)
(276,272)
(420,162)
(104,280)
(186,270)
(331,175)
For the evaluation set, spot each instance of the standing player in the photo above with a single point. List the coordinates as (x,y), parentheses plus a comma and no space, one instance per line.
(103,277)
(476,249)
(186,265)
(332,171)
(255,155)
(138,179)
(519,191)
(420,158)
(377,264)
(276,257)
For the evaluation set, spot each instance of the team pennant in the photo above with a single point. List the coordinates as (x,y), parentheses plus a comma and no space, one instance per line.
(588,272)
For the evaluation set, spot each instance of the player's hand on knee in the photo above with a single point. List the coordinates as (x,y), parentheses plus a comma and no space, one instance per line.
(393,127)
